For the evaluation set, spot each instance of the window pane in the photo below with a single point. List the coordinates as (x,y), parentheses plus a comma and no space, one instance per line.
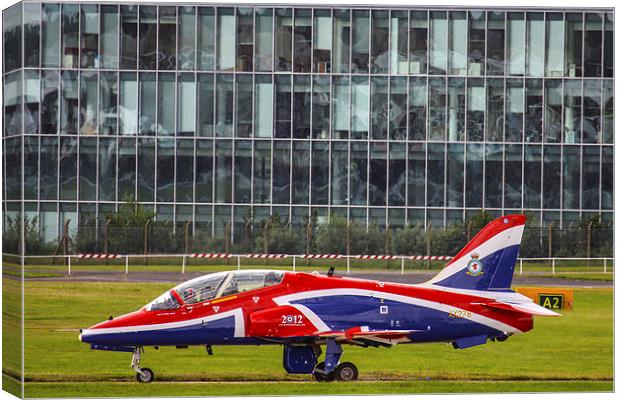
(341,116)
(129,36)
(50,16)
(262,172)
(284,39)
(380,40)
(342,39)
(399,38)
(301,168)
(512,173)
(360,41)
(186,105)
(359,107)
(49,105)
(572,110)
(534,110)
(418,42)
(32,16)
(165,170)
(146,169)
(281,172)
(359,172)
(458,43)
(377,174)
(205,104)
(535,46)
(302,40)
(88,103)
(166,104)
(206,39)
(495,111)
(283,106)
(244,106)
(340,175)
(514,110)
(187,38)
(127,169)
(608,51)
(570,177)
(378,107)
(551,177)
(473,173)
(108,97)
(437,109)
(129,104)
(68,168)
(264,39)
(476,105)
(32,96)
(223,171)
(608,111)
(12,36)
(438,56)
(435,174)
(417,108)
(573,50)
(590,177)
(553,111)
(245,39)
(493,175)
(593,42)
(69,103)
(48,185)
(456,111)
(148,103)
(148,37)
(320,107)
(70,39)
(496,35)
(532,177)
(166,54)
(322,50)
(454,175)
(224,106)
(320,172)
(88,168)
(243,171)
(416,178)
(12,104)
(397,174)
(477,44)
(515,43)
(204,171)
(607,178)
(107,169)
(301,106)
(591,111)
(263,111)
(89,26)
(554,50)
(398,108)
(109,36)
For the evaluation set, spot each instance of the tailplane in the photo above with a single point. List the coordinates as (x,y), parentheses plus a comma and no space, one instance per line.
(487,262)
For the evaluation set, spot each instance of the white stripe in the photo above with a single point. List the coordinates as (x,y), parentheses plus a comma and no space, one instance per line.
(500,326)
(237,313)
(504,239)
(316,321)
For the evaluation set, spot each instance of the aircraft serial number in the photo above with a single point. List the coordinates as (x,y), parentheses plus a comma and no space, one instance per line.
(459,314)
(292,319)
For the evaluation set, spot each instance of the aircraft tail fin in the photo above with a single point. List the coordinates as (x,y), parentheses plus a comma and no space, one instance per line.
(487,262)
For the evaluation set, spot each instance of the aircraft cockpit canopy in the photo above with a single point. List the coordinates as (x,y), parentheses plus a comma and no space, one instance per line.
(215,285)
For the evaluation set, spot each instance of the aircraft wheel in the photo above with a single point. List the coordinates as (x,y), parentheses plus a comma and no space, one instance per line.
(322,377)
(146,376)
(346,372)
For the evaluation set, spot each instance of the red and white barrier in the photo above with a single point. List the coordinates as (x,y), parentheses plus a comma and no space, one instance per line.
(267,255)
(323,256)
(375,257)
(99,256)
(210,255)
(430,258)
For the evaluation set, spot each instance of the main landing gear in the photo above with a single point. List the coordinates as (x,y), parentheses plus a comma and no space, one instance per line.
(143,375)
(330,369)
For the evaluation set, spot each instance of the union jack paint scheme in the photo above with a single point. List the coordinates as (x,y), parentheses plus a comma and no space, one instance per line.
(467,303)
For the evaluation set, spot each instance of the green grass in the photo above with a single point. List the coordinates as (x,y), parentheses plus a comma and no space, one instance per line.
(571,353)
(578,276)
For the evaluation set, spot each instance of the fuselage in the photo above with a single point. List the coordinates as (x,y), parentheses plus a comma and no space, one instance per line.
(300,305)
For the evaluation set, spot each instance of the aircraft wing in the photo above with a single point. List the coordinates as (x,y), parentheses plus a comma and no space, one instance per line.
(362,335)
(525,307)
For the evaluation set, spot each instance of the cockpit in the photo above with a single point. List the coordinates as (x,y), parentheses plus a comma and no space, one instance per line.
(213,286)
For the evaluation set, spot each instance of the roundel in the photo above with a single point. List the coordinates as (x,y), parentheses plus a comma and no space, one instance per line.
(474,267)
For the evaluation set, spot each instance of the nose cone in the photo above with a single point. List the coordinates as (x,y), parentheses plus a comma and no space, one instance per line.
(116,331)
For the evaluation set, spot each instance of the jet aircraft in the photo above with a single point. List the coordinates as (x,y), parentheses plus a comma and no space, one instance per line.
(466,304)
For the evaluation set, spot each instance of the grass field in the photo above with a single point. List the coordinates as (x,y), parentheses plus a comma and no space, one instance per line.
(571,353)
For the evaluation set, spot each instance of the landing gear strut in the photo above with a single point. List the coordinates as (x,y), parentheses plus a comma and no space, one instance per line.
(330,369)
(143,375)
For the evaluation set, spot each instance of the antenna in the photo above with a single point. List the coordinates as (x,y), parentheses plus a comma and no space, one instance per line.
(331,271)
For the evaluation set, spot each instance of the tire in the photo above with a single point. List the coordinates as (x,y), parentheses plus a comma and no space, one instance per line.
(346,372)
(147,376)
(322,377)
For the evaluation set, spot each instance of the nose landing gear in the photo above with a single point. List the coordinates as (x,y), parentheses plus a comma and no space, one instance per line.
(143,375)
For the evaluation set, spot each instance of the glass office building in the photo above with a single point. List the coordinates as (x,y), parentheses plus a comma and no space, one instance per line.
(391,116)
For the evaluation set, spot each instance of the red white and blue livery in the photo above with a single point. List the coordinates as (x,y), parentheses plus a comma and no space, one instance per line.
(468,303)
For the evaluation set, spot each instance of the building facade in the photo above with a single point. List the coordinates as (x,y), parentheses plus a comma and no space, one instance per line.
(394,116)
